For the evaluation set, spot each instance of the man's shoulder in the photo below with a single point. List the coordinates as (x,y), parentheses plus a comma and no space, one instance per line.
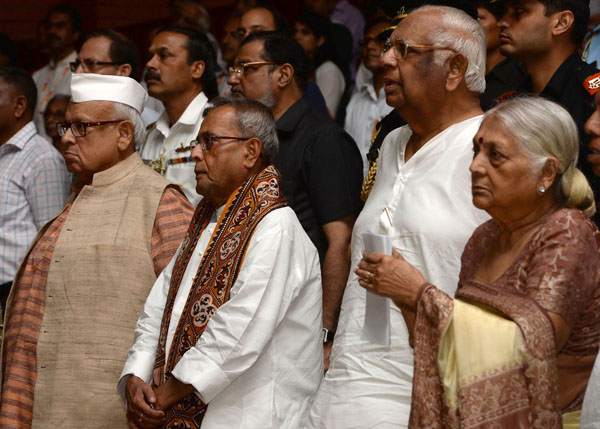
(39,72)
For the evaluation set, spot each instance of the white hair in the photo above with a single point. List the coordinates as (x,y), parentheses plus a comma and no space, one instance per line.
(128,113)
(464,35)
(544,129)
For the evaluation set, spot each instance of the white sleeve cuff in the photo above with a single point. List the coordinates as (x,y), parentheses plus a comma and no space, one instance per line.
(139,363)
(207,378)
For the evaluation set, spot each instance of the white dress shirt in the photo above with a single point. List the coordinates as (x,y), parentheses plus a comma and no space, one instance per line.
(425,206)
(330,80)
(53,79)
(364,111)
(259,362)
(163,141)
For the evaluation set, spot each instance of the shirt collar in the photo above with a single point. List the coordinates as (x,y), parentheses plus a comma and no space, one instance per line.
(191,115)
(21,137)
(289,120)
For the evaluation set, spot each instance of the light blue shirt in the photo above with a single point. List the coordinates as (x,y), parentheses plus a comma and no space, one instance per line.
(34,185)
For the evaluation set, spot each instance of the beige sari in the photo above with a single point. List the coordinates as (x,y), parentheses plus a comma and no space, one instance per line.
(488,358)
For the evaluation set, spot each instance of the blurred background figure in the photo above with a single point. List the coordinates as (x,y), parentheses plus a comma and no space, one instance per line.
(313,33)
(501,74)
(61,31)
(230,43)
(109,52)
(55,113)
(368,105)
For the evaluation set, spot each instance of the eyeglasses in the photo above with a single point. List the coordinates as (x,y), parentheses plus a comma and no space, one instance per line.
(90,65)
(240,69)
(79,129)
(206,140)
(401,47)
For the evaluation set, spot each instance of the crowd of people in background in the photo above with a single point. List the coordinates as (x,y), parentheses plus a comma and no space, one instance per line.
(380,216)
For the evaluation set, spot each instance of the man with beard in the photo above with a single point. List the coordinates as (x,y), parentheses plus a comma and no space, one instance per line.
(181,74)
(319,162)
(62,28)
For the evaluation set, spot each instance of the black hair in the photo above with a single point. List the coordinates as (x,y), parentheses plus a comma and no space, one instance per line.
(496,8)
(76,21)
(199,49)
(121,51)
(580,10)
(21,82)
(281,49)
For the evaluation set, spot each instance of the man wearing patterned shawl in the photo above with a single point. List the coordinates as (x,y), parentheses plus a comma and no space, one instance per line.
(76,297)
(230,335)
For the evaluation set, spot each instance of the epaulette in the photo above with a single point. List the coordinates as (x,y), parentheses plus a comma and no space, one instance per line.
(150,126)
(506,96)
(592,83)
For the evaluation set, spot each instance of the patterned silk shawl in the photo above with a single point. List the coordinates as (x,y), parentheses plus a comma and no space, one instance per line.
(215,276)
(475,368)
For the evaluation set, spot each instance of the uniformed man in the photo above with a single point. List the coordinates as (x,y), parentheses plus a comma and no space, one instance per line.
(545,35)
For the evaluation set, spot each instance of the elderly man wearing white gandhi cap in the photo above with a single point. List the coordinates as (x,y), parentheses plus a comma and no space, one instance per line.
(78,292)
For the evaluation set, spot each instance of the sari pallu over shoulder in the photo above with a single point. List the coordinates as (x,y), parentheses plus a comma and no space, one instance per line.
(484,359)
(215,276)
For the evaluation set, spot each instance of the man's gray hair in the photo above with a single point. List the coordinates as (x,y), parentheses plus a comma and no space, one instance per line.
(464,35)
(128,113)
(254,120)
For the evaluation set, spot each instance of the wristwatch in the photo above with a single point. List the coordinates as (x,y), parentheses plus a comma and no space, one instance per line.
(328,335)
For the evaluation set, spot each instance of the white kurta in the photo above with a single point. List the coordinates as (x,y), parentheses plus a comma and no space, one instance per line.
(425,206)
(259,362)
(590,412)
(50,80)
(163,141)
(364,111)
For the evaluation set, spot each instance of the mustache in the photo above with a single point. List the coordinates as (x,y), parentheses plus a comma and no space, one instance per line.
(152,75)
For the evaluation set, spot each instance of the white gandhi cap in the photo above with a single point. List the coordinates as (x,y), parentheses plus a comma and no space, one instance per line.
(99,87)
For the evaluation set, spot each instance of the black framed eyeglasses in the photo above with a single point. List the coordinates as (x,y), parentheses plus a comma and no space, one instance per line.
(90,65)
(79,129)
(401,47)
(207,140)
(240,69)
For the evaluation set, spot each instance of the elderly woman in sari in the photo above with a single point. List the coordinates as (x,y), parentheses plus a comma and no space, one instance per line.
(516,345)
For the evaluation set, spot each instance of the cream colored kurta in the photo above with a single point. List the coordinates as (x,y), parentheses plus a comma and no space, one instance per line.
(425,206)
(100,274)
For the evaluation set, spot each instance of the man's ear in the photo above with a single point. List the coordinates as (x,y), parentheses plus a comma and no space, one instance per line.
(252,154)
(562,22)
(19,105)
(197,69)
(457,68)
(126,132)
(285,75)
(320,41)
(125,70)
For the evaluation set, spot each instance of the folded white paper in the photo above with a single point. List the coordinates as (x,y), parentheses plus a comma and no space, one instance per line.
(376,328)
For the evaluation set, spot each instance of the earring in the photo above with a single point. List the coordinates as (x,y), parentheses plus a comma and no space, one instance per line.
(542,189)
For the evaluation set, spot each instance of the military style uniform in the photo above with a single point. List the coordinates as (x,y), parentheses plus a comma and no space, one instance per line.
(507,75)
(573,86)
